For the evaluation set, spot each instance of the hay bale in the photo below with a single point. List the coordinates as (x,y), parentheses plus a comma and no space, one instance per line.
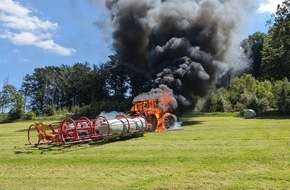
(249,114)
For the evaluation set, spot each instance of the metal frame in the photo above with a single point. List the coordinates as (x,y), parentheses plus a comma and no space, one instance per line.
(71,131)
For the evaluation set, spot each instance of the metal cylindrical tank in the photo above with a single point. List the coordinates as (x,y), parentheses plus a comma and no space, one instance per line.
(120,125)
(135,124)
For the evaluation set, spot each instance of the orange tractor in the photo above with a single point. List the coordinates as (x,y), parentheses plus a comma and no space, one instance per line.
(157,119)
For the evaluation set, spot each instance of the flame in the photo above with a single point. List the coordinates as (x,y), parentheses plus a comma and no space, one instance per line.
(159,108)
(165,100)
(160,124)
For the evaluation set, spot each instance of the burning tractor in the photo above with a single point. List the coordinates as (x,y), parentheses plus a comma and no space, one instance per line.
(157,119)
(144,116)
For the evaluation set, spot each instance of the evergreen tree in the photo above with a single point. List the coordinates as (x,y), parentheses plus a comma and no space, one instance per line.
(276,51)
(253,47)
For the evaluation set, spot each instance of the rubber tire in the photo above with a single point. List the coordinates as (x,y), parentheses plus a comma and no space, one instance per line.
(169,120)
(151,119)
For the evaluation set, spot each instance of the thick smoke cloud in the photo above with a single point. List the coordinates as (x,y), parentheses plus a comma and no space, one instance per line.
(182,44)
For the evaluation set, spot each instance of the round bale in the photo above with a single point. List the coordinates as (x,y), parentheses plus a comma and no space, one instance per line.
(249,114)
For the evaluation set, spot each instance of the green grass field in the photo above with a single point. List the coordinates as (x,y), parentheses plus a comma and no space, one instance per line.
(206,153)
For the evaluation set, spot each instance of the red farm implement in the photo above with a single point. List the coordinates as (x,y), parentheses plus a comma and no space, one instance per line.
(83,130)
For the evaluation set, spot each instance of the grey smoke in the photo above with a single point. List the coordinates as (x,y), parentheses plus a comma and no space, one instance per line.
(181,44)
(111,115)
(162,93)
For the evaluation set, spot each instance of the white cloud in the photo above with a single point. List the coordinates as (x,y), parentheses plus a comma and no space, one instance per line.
(51,46)
(22,28)
(26,22)
(13,8)
(23,38)
(270,6)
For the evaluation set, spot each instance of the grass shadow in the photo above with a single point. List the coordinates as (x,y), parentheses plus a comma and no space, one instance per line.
(42,149)
(188,123)
(54,148)
(114,140)
(22,130)
(273,115)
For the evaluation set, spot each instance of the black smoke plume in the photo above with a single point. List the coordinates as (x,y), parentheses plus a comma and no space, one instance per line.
(181,44)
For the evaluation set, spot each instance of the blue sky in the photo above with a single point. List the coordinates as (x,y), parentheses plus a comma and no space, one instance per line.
(37,33)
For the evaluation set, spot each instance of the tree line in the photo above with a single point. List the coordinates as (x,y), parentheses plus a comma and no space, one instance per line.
(270,53)
(76,88)
(246,92)
(89,89)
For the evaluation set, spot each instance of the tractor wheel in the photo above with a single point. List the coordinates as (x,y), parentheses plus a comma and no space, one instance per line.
(152,121)
(169,120)
(33,135)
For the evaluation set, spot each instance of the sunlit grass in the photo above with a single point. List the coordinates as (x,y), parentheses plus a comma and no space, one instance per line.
(206,153)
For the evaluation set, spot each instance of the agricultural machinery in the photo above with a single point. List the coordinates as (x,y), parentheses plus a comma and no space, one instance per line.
(158,119)
(144,116)
(71,131)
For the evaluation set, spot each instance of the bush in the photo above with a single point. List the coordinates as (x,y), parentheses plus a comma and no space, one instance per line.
(29,115)
(83,111)
(281,93)
(15,114)
(3,117)
(217,101)
(75,109)
(49,110)
(248,93)
(96,108)
(62,111)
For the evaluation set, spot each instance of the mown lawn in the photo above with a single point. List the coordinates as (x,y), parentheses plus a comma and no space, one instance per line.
(206,153)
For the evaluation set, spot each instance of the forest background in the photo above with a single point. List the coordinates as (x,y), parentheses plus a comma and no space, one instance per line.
(84,89)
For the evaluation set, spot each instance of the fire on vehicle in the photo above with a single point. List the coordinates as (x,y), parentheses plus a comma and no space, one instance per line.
(158,119)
